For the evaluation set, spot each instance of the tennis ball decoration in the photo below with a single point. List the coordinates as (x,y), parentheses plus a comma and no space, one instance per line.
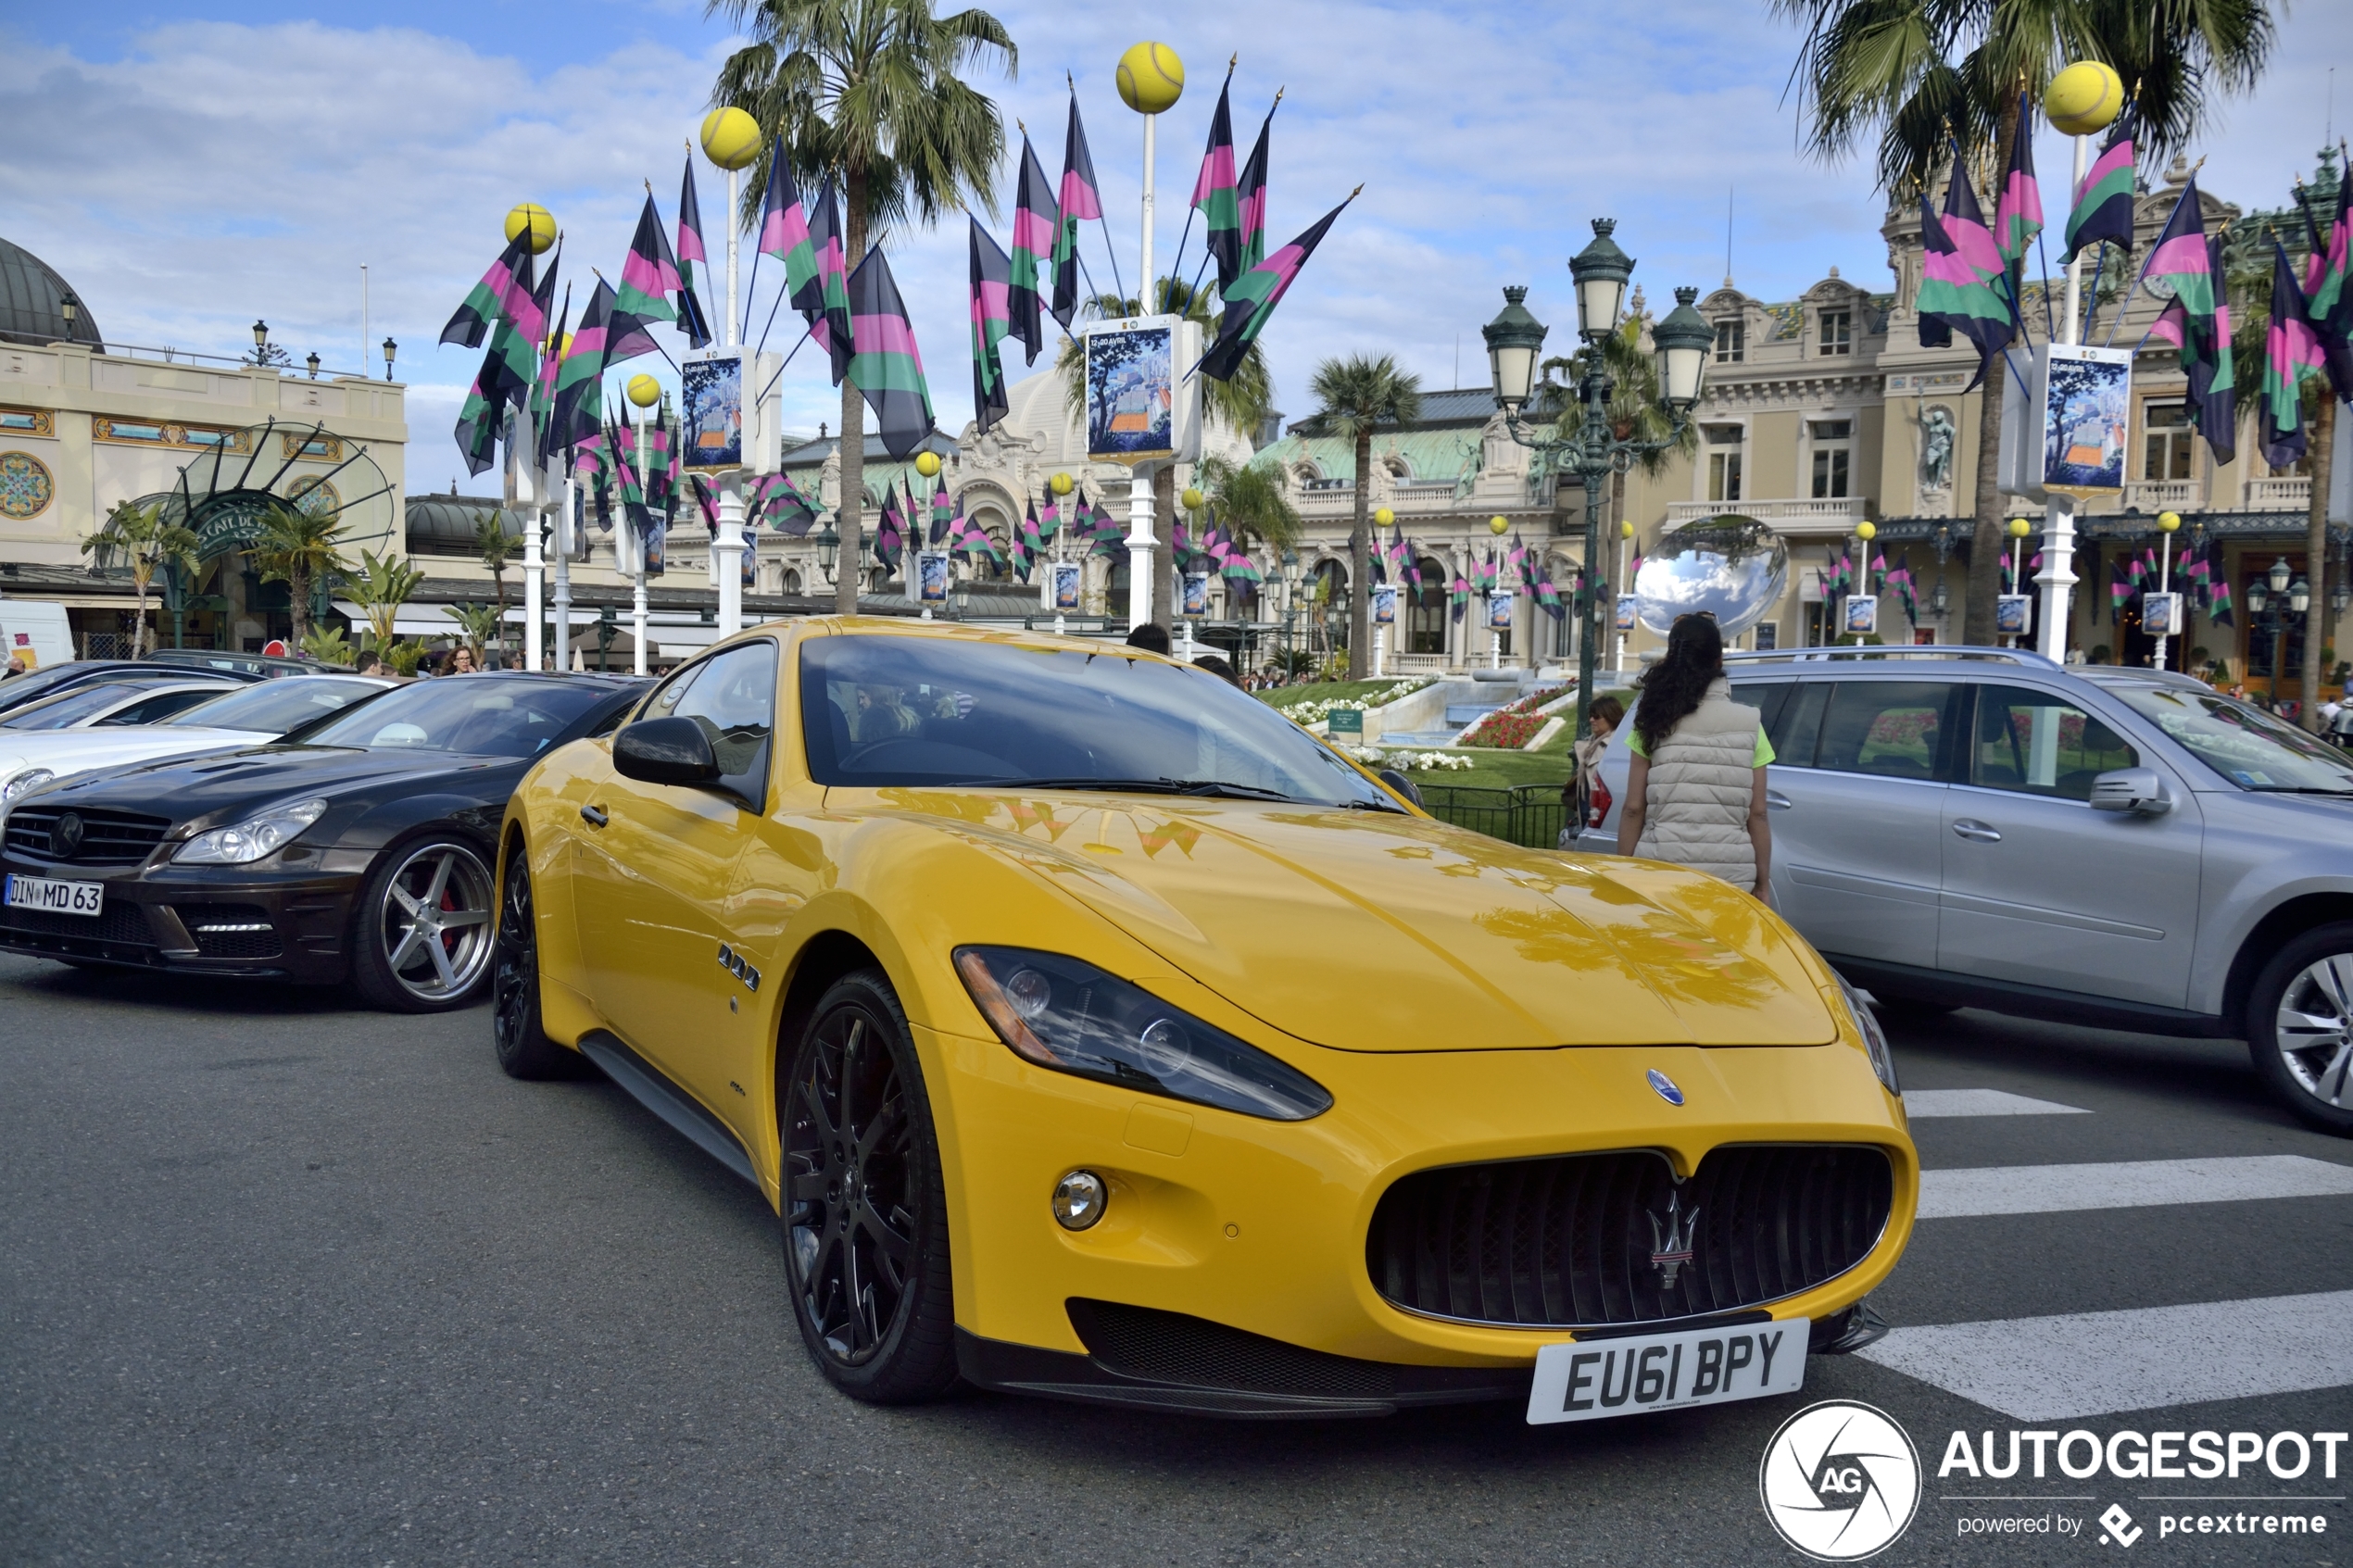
(1626,528)
(1383,517)
(2020,528)
(1867,530)
(2085,97)
(644,391)
(927,464)
(730,138)
(532,215)
(560,344)
(1499,525)
(1059,484)
(2169,521)
(1192,499)
(1150,78)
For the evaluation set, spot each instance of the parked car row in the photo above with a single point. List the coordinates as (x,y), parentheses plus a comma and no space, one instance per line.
(1982,827)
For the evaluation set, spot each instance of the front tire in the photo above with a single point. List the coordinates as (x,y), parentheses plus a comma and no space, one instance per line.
(422,936)
(865,1210)
(516,1027)
(2300,1026)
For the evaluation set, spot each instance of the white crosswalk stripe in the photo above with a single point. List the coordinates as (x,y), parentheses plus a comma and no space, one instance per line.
(1921,1103)
(2054,1189)
(2097,1363)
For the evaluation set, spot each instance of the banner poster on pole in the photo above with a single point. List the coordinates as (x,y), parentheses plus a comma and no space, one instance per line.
(1861,619)
(710,409)
(1142,405)
(931,574)
(1499,611)
(1066,580)
(2011,614)
(2087,407)
(1385,605)
(1196,596)
(1628,608)
(2161,615)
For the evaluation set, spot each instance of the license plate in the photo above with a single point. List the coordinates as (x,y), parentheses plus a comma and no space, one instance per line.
(1593,1379)
(56,897)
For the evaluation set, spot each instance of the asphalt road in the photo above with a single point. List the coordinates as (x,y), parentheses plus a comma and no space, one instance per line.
(282,1282)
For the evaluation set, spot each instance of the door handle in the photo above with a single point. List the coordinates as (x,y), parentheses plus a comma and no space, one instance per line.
(1976,832)
(1774,801)
(593,816)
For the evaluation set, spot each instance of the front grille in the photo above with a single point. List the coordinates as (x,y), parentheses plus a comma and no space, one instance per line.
(1159,1346)
(231,931)
(109,838)
(114,923)
(1570,1241)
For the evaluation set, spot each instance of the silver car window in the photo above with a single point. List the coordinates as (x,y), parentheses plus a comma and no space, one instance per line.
(1894,729)
(2037,743)
(2245,746)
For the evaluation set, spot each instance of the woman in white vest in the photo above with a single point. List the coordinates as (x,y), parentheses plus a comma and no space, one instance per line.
(1695,790)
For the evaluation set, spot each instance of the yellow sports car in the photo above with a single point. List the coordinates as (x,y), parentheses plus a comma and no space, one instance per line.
(1099,1033)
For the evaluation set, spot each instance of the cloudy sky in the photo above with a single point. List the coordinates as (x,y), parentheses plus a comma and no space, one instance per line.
(190,167)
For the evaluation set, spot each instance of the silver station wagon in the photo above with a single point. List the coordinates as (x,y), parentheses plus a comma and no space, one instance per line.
(1981,827)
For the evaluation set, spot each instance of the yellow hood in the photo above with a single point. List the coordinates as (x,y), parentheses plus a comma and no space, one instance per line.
(1366,931)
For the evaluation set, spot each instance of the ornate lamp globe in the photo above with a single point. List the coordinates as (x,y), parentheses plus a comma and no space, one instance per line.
(1941,599)
(1683,341)
(2340,595)
(2279,575)
(2299,597)
(1600,272)
(828,548)
(1514,340)
(391,348)
(2256,596)
(261,334)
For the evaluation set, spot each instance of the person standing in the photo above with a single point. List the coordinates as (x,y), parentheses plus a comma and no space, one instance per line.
(1585,789)
(1695,789)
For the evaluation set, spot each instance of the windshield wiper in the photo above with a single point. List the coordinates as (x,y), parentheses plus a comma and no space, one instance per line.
(2298,789)
(1146,786)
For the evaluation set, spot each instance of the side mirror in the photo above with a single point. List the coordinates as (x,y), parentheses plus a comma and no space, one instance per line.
(665,751)
(2138,790)
(1402,785)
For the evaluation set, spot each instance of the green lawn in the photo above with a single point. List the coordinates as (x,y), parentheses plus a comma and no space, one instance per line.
(1503,770)
(1324,691)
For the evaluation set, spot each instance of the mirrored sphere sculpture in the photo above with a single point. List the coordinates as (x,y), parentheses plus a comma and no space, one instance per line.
(1732,567)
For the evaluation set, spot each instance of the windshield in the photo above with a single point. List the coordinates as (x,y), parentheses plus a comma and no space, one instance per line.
(914,711)
(475,716)
(68,709)
(2244,745)
(275,707)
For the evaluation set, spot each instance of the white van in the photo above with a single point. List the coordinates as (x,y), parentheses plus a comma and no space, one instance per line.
(36,631)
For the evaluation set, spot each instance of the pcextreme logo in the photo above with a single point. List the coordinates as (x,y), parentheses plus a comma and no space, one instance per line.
(1840,1481)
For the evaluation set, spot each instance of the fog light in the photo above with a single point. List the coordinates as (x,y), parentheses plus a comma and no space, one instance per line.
(1078,1200)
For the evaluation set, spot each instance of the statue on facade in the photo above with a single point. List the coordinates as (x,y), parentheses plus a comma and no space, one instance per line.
(1937,449)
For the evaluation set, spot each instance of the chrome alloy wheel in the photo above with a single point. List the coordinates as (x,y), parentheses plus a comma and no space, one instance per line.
(434,922)
(848,1170)
(2314,1027)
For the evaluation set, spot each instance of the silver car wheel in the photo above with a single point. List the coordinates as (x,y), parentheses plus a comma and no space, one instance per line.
(2314,1028)
(435,921)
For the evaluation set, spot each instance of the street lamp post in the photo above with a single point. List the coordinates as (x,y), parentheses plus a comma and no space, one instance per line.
(1514,339)
(391,348)
(1291,606)
(2268,613)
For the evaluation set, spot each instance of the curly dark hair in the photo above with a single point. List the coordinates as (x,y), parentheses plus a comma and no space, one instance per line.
(1674,685)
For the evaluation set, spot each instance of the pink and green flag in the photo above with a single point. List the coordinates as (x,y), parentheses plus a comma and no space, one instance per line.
(991,278)
(2104,202)
(2186,266)
(776,500)
(1250,199)
(580,380)
(785,234)
(1959,264)
(1216,194)
(2291,352)
(943,512)
(1250,304)
(837,333)
(1030,279)
(2329,298)
(504,293)
(887,368)
(1076,201)
(650,276)
(2018,214)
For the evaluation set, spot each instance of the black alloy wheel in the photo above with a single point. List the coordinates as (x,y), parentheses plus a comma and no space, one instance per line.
(2300,1026)
(516,1029)
(864,1208)
(422,931)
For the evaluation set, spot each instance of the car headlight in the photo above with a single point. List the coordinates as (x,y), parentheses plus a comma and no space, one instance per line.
(251,839)
(1073,1018)
(31,778)
(1874,1038)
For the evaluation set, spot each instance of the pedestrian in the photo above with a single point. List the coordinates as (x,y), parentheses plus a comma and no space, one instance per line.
(1152,636)
(1217,665)
(1585,796)
(16,667)
(1695,788)
(368,664)
(461,661)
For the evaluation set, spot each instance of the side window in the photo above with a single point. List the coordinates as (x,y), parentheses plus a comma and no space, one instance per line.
(2034,742)
(1799,721)
(1767,697)
(732,698)
(1893,729)
(663,704)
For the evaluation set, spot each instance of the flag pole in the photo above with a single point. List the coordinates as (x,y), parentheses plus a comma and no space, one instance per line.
(637,597)
(2141,276)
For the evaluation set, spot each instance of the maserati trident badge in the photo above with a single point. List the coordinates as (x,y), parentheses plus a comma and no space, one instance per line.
(1666,1087)
(1671,1242)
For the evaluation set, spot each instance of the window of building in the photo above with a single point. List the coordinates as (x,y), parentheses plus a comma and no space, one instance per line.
(1732,342)
(2169,440)
(1838,331)
(1834,452)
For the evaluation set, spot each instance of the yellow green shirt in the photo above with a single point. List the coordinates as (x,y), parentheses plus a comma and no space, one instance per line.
(1764,747)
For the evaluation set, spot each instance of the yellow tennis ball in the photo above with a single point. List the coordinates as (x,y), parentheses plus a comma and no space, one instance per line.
(1383,517)
(1867,530)
(1499,525)
(1150,78)
(644,391)
(541,224)
(1059,484)
(1626,529)
(1192,499)
(560,345)
(927,464)
(2169,521)
(2085,97)
(730,138)
(2020,528)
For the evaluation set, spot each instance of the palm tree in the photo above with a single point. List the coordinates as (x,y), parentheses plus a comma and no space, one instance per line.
(1911,73)
(298,548)
(139,538)
(1634,411)
(1249,502)
(380,587)
(326,645)
(497,548)
(867,92)
(1353,395)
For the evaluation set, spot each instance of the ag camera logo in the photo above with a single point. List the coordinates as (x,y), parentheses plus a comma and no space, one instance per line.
(1840,1481)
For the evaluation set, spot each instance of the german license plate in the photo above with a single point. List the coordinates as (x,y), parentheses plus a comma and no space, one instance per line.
(56,897)
(1593,1379)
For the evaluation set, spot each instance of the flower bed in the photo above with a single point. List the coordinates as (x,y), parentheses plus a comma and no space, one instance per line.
(1410,761)
(1315,711)
(1513,727)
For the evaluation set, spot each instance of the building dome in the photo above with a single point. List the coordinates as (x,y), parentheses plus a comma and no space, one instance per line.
(31,301)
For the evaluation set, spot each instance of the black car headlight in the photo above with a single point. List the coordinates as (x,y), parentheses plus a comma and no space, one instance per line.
(1874,1038)
(1073,1018)
(244,843)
